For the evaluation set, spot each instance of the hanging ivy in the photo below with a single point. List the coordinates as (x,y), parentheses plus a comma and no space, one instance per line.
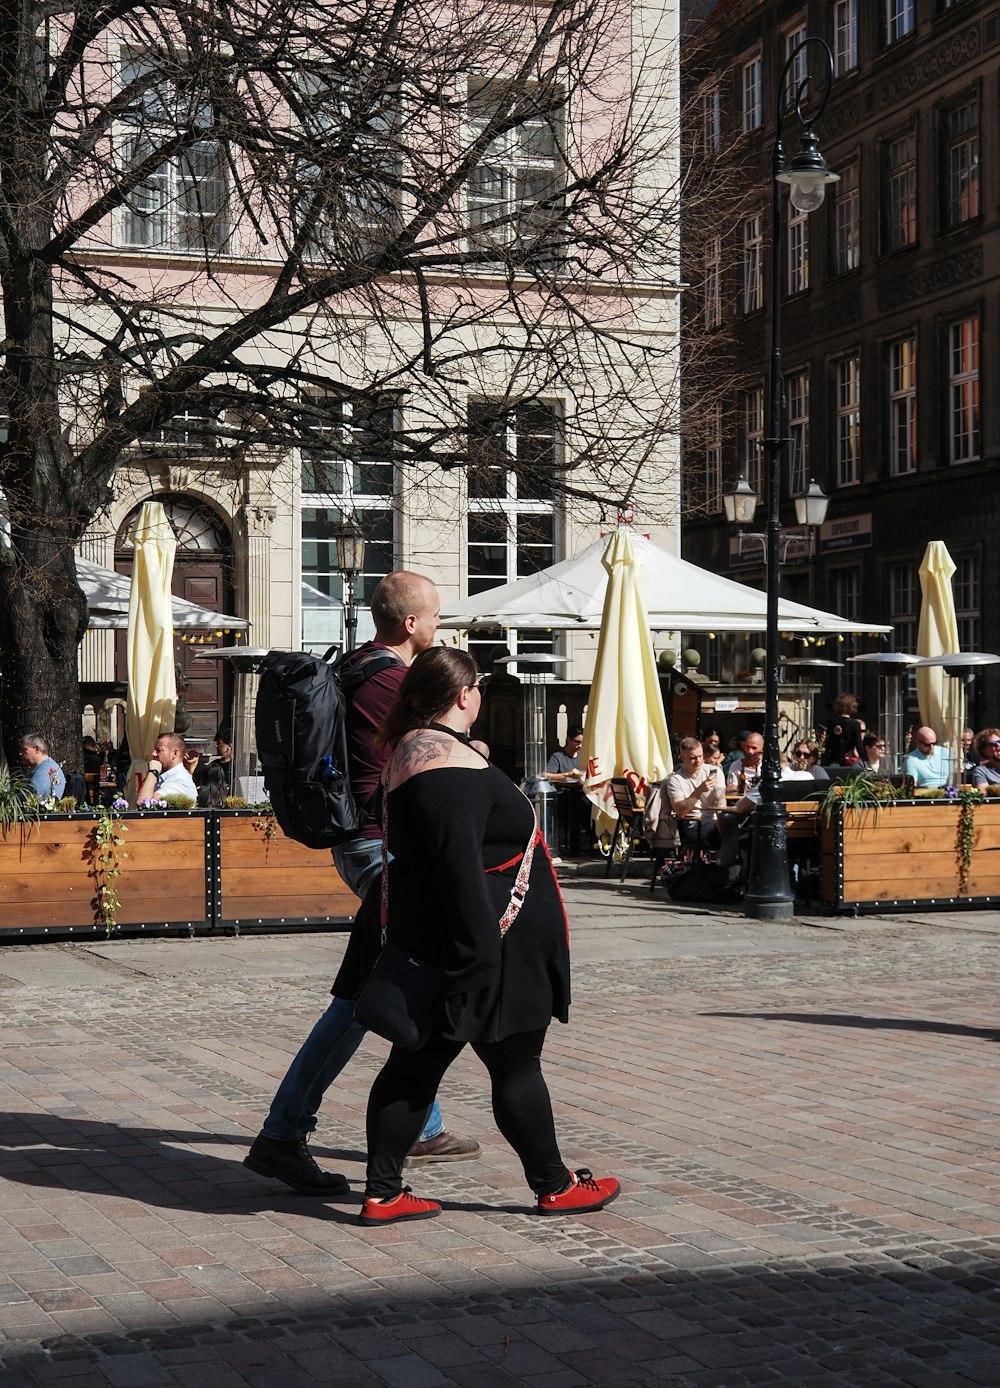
(968,798)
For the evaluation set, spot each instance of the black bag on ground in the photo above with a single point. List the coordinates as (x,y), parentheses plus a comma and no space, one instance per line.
(703,882)
(400,999)
(301,728)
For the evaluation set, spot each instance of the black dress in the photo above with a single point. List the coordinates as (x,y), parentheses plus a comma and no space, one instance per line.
(447,829)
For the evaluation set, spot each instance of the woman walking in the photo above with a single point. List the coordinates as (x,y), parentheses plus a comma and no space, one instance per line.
(461,835)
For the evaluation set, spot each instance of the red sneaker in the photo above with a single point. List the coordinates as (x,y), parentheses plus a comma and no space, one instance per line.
(585,1192)
(404,1206)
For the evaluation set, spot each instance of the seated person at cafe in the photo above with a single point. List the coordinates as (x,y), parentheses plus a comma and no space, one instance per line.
(987,771)
(45,777)
(970,754)
(198,765)
(167,774)
(564,771)
(926,763)
(745,770)
(736,824)
(696,794)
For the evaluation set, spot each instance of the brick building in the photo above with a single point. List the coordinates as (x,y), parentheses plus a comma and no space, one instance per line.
(891,316)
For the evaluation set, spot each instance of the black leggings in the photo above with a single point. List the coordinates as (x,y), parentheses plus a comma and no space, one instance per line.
(405,1089)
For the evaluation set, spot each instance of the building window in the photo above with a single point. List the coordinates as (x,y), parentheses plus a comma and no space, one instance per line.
(845,36)
(898,19)
(513,191)
(713,283)
(711,119)
(798,251)
(848,421)
(960,129)
(753,437)
(184,203)
(965,588)
(346,470)
(799,71)
(847,221)
(346,197)
(903,406)
(752,94)
(845,592)
(753,254)
(713,464)
(963,390)
(514,456)
(797,404)
(191,430)
(903,606)
(901,192)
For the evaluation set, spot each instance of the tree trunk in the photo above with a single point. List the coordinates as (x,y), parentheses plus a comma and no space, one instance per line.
(43,616)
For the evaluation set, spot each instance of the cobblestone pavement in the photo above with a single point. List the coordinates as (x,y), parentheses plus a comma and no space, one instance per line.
(804,1118)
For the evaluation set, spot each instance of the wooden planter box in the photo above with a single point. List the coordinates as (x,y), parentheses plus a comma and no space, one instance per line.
(191,871)
(275,881)
(907,855)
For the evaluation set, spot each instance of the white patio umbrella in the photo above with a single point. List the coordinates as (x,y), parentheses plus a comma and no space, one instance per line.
(626,728)
(939,696)
(152,684)
(570,596)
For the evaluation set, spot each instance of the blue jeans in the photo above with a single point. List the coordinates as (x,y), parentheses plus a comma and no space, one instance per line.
(322,1056)
(336,1036)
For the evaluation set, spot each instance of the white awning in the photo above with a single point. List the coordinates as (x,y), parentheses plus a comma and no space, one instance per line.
(679,597)
(107,603)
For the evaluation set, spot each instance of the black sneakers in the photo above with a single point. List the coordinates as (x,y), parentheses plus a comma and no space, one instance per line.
(293,1163)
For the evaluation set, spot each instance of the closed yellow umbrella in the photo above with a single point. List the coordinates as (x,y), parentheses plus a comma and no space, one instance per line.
(626,729)
(152,684)
(938,695)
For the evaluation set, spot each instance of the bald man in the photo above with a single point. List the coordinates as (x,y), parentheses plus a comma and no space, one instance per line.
(406,611)
(926,762)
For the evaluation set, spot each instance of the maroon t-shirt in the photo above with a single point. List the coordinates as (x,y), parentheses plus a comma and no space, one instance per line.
(366,709)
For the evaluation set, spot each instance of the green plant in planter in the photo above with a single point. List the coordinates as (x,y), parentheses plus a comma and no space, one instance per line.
(264,821)
(968,798)
(179,802)
(18,803)
(106,843)
(864,792)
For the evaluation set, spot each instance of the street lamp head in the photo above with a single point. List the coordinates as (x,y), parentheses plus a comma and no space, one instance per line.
(740,501)
(350,544)
(807,175)
(810,507)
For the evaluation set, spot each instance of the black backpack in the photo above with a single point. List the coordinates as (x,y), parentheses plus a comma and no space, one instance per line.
(301,726)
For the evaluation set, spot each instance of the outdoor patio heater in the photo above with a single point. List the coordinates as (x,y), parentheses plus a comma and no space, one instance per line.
(245,662)
(536,786)
(891,666)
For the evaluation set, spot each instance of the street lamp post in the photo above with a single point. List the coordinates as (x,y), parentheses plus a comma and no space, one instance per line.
(769,890)
(350,544)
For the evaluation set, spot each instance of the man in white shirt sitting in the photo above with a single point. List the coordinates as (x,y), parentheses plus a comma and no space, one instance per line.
(167,774)
(696,793)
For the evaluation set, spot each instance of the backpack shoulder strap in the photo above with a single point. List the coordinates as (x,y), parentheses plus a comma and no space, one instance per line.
(363,669)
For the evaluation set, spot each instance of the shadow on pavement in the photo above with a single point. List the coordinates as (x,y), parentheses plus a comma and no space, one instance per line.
(883,1321)
(849,1019)
(153,1167)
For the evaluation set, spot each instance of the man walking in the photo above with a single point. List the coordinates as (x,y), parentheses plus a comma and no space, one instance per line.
(406,610)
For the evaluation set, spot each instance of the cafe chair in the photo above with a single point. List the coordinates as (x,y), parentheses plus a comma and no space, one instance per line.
(629,833)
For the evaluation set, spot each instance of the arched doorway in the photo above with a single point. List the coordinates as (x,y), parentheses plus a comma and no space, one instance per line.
(203,574)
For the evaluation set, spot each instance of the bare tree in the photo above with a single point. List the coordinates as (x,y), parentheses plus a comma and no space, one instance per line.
(210,212)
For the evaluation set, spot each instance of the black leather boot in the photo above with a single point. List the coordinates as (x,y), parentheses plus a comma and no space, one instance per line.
(293,1163)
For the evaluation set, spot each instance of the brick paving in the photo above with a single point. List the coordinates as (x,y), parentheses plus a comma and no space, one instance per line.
(804,1117)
